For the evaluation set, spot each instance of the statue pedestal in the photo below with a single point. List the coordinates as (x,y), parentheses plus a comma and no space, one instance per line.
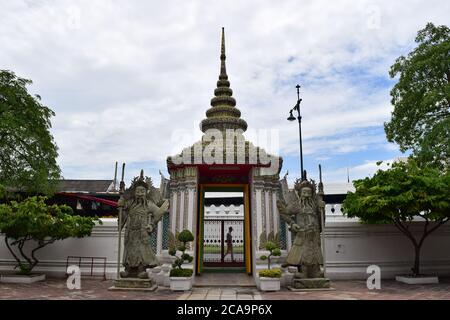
(310,284)
(133,284)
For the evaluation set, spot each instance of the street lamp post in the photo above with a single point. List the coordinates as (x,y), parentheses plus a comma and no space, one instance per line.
(299,118)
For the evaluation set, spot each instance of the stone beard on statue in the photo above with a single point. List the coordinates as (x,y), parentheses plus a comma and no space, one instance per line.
(139,202)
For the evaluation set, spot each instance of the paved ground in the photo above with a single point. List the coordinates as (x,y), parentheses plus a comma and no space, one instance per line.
(214,293)
(357,290)
(224,280)
(56,289)
(344,290)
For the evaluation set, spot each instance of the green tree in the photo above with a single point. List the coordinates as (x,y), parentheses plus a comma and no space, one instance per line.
(34,224)
(421,98)
(398,195)
(27,149)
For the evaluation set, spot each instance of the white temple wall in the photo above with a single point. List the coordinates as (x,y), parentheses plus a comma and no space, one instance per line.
(182,213)
(350,248)
(101,243)
(264,215)
(264,212)
(173,210)
(183,195)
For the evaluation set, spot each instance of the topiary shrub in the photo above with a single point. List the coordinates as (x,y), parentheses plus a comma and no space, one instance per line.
(181,272)
(273,273)
(274,251)
(184,237)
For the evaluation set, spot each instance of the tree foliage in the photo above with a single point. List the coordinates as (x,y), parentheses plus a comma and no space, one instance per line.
(421,98)
(33,221)
(400,194)
(27,149)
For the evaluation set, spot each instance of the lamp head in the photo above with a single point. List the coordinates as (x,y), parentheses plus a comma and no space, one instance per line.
(291,116)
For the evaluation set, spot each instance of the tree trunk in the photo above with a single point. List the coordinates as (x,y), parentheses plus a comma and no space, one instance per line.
(20,247)
(41,245)
(418,244)
(12,252)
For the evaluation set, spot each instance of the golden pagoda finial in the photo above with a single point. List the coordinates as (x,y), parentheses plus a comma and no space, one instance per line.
(223,69)
(223,114)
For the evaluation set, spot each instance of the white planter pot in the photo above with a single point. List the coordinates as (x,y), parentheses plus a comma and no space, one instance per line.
(180,283)
(27,279)
(165,275)
(417,280)
(269,284)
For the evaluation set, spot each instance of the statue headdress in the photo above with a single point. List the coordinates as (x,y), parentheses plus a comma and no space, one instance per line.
(140,182)
(299,185)
(153,193)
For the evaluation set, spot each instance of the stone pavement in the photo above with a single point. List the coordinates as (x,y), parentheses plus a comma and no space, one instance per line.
(215,293)
(224,280)
(55,289)
(357,290)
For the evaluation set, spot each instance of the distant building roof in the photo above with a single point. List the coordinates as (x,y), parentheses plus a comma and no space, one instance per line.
(85,186)
(338,188)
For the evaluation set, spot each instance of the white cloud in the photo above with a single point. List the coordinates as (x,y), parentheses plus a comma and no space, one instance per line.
(368,168)
(122,76)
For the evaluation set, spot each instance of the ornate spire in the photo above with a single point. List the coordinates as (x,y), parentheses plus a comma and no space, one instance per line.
(223,115)
(223,69)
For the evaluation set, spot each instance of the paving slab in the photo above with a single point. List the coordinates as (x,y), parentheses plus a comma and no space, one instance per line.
(241,296)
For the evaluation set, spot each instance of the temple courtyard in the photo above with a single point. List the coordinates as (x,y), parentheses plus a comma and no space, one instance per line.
(94,289)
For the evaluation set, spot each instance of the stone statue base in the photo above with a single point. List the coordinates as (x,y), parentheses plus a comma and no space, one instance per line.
(134,284)
(310,283)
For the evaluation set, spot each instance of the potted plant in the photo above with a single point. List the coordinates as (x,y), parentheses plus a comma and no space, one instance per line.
(269,279)
(181,278)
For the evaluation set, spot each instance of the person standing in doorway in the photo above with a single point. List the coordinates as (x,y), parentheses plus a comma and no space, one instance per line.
(229,244)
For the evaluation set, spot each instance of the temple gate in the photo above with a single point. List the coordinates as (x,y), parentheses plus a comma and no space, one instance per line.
(224,161)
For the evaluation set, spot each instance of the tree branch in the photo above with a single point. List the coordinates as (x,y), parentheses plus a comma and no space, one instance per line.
(20,246)
(425,232)
(12,252)
(42,245)
(405,231)
(440,223)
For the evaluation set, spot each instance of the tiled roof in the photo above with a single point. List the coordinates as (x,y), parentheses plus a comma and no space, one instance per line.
(85,186)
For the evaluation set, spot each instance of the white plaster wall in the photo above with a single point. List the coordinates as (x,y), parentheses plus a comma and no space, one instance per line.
(350,248)
(101,243)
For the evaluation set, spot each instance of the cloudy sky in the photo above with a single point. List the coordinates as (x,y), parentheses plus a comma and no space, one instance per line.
(131,80)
